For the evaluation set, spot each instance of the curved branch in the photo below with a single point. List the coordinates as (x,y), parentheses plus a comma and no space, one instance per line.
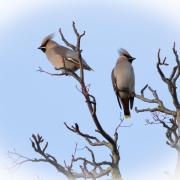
(178,64)
(110,142)
(93,162)
(65,41)
(171,129)
(156,100)
(91,106)
(92,140)
(171,82)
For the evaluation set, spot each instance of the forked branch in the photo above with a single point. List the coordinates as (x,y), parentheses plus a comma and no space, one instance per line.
(170,125)
(160,107)
(171,81)
(98,169)
(173,124)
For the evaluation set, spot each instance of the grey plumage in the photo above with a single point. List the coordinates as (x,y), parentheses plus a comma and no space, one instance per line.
(123,81)
(60,56)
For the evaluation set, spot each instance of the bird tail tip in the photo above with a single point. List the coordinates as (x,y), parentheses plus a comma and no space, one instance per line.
(89,68)
(127,117)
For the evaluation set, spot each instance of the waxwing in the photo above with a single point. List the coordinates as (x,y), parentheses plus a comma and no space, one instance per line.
(59,55)
(123,81)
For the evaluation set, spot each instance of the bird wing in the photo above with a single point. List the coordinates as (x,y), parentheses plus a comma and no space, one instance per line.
(132,88)
(131,101)
(72,60)
(62,51)
(115,87)
(73,57)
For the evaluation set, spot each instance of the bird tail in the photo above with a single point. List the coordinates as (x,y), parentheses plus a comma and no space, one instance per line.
(87,67)
(125,103)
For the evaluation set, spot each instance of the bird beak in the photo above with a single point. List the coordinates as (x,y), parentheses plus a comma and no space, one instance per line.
(42,48)
(133,58)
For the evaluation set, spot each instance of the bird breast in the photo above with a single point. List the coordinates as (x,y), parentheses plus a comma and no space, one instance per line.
(55,59)
(125,77)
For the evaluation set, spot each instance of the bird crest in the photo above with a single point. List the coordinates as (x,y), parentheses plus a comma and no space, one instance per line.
(124,52)
(46,39)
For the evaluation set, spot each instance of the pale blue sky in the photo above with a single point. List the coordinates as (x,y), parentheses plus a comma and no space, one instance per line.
(34,102)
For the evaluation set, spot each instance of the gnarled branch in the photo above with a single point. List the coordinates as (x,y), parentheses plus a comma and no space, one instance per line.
(156,100)
(98,169)
(173,125)
(171,128)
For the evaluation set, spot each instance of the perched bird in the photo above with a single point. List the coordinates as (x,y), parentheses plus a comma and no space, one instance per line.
(123,81)
(61,57)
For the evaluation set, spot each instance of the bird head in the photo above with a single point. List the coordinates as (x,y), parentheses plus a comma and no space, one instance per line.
(45,41)
(124,53)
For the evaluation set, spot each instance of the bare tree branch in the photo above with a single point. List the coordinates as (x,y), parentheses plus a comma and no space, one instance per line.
(67,170)
(172,126)
(178,64)
(92,140)
(171,82)
(93,162)
(66,42)
(156,100)
(75,48)
(72,160)
(97,168)
(92,104)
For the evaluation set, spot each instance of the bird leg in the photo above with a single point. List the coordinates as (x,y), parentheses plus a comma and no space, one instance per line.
(132,94)
(64,70)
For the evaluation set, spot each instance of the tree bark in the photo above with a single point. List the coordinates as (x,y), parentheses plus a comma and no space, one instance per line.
(70,177)
(116,175)
(177,171)
(178,120)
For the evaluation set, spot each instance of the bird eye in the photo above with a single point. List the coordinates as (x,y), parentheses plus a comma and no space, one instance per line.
(42,48)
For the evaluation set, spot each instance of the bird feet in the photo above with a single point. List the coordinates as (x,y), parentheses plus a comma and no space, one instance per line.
(63,70)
